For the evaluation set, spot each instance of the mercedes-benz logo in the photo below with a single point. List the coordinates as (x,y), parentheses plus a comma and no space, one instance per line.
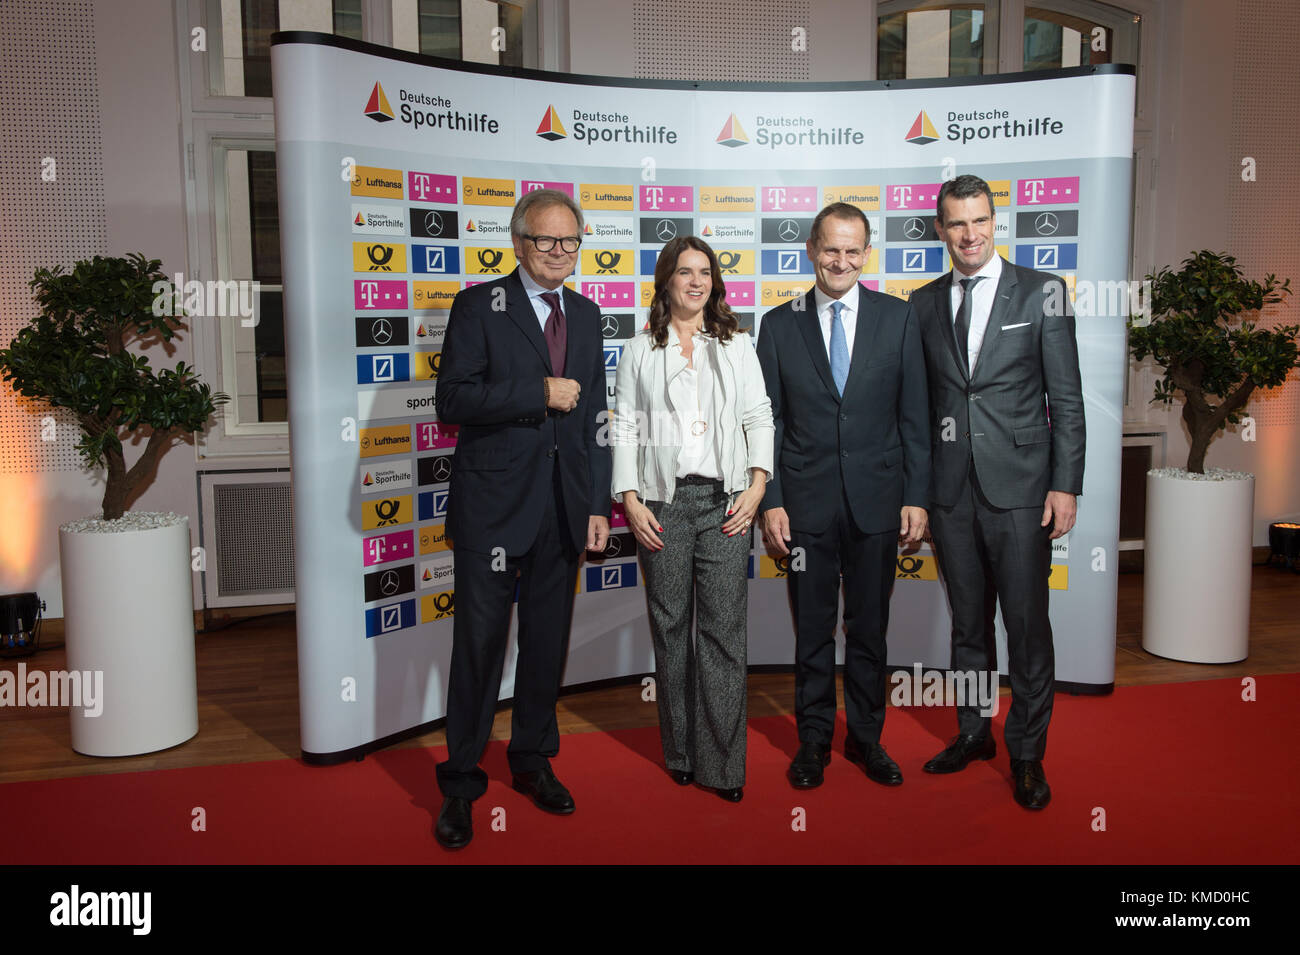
(913,228)
(381,331)
(665,230)
(389,583)
(441,468)
(613,547)
(433,223)
(788,230)
(1046,223)
(608,326)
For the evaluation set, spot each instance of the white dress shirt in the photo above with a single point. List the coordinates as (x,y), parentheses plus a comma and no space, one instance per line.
(535,293)
(692,394)
(981,305)
(849,316)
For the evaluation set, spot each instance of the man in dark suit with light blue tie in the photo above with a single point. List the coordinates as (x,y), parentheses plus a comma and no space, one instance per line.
(1008,440)
(846,377)
(523,374)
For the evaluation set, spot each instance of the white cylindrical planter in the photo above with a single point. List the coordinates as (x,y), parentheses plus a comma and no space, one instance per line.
(1196,592)
(129,614)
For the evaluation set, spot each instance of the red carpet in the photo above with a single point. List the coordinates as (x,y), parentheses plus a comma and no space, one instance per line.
(1185,773)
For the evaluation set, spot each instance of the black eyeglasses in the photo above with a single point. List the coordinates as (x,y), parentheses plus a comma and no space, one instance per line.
(545,243)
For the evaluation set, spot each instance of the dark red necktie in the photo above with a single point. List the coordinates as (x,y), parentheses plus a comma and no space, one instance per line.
(556,337)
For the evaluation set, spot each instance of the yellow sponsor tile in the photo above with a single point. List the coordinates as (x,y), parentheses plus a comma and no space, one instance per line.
(377,442)
(727,199)
(1001,189)
(433,538)
(866,198)
(608,261)
(480,260)
(380,257)
(1002,250)
(435,294)
(873,261)
(437,606)
(487,192)
(647,293)
(595,195)
(768,567)
(425,364)
(774,293)
(378,182)
(1059,578)
(386,512)
(736,261)
(916,567)
(903,288)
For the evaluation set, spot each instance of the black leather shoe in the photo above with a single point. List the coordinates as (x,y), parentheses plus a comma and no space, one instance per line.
(960,751)
(681,777)
(1032,790)
(806,768)
(731,795)
(874,761)
(545,790)
(455,826)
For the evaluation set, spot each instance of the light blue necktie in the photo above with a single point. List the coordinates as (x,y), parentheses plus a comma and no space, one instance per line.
(839,348)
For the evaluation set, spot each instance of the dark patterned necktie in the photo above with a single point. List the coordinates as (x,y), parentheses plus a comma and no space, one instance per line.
(962,326)
(556,335)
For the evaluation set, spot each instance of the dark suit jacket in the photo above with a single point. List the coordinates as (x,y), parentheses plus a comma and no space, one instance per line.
(490,383)
(1028,363)
(874,442)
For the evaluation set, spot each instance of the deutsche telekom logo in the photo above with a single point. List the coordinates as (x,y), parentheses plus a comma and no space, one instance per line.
(789,198)
(672,198)
(379,293)
(1035,191)
(915,196)
(431,187)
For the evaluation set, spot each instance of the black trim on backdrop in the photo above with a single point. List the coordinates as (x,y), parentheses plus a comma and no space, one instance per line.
(361,752)
(584,79)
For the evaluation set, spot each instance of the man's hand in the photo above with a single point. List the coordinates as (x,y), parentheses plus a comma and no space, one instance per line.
(597,532)
(776,530)
(911,524)
(1061,507)
(562,394)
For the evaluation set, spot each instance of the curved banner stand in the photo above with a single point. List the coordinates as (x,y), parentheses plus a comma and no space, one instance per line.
(397,175)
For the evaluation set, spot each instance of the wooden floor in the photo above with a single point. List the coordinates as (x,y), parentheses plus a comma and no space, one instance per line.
(248,689)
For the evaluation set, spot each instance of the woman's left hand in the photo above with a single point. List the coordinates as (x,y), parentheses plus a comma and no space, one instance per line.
(744,511)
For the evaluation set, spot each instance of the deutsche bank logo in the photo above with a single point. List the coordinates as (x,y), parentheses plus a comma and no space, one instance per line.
(390,618)
(611,357)
(440,503)
(787,261)
(1046,256)
(1057,255)
(914,260)
(382,369)
(433,259)
(432,505)
(611,578)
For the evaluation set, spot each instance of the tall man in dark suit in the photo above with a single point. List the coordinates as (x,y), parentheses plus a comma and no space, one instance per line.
(1008,440)
(846,377)
(523,374)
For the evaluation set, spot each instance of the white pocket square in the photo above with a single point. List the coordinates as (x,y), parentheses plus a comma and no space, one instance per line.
(1020,325)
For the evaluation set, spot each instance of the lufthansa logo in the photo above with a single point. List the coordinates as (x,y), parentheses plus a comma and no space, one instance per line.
(665,230)
(788,230)
(913,228)
(1046,223)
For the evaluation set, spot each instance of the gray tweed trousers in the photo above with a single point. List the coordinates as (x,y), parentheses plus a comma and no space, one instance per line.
(700,682)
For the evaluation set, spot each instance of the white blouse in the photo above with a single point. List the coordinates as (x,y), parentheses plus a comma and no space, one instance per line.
(691,391)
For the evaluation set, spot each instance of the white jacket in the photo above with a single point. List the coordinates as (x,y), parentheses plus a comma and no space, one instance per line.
(643,426)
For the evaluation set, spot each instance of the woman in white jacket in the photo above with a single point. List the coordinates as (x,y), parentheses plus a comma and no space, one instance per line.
(692,438)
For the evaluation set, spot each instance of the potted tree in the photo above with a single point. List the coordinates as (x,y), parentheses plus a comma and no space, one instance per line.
(127,591)
(1196,604)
